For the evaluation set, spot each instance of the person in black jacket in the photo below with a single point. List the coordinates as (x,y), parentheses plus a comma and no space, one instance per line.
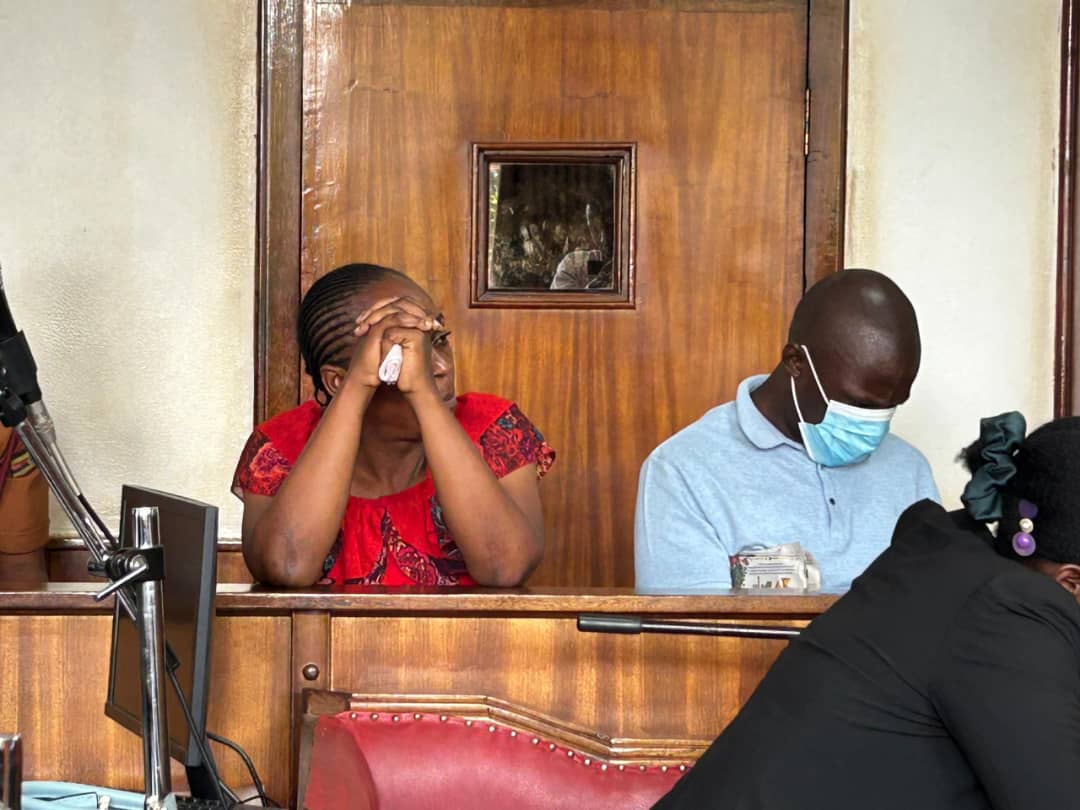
(949,676)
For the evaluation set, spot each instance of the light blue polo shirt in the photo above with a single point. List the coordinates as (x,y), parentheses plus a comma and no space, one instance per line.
(732,479)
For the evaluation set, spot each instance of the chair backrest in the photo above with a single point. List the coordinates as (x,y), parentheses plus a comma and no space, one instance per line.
(380,752)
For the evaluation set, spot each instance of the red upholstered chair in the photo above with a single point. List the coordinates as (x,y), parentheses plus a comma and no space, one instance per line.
(471,753)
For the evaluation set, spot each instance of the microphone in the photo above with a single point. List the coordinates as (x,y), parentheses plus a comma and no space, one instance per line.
(20,394)
(18,372)
(632,625)
(7,323)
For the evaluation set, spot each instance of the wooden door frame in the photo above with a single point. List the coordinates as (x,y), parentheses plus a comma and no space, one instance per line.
(1066,318)
(280,179)
(279,186)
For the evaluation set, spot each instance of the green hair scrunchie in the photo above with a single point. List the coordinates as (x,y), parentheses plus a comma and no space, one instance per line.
(1000,436)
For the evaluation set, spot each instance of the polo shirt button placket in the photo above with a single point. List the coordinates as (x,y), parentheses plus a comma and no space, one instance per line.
(830,496)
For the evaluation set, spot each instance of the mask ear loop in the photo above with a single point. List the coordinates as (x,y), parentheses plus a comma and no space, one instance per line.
(795,399)
(813,371)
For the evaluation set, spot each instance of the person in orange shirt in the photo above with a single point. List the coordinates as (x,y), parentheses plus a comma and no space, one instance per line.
(24,513)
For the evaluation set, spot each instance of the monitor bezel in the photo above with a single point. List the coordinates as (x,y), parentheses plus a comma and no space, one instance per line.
(198,700)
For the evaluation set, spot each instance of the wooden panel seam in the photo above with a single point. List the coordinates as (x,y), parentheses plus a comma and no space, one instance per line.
(310,648)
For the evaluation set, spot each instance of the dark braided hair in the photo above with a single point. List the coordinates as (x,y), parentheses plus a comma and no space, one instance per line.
(324,327)
(1048,475)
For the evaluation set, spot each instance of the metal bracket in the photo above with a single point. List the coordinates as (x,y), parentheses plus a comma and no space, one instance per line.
(129,566)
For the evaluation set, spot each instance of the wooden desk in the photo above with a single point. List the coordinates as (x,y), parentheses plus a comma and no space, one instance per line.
(519,645)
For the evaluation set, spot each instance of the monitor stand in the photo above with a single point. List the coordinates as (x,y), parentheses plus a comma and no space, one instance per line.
(143,567)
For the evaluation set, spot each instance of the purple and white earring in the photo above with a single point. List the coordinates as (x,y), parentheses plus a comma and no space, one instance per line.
(1023,542)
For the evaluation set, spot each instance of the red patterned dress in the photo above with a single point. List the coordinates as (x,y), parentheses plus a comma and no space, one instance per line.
(398,539)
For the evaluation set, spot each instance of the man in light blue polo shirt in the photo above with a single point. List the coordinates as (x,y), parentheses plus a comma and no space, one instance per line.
(802,455)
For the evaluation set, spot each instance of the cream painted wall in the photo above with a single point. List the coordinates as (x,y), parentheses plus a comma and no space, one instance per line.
(127,184)
(951,190)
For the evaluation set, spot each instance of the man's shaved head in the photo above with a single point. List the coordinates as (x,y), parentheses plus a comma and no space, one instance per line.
(859,331)
(857,312)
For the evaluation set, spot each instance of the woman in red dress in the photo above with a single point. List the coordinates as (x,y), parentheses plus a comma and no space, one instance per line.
(389,484)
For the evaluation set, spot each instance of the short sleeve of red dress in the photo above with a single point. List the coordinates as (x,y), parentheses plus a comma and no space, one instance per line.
(509,441)
(272,449)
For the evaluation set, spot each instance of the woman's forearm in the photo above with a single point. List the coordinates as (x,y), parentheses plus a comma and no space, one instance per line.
(500,544)
(290,540)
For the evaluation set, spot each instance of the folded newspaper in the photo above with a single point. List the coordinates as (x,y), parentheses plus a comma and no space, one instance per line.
(786,566)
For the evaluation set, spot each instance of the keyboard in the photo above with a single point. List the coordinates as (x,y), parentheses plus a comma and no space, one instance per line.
(191,803)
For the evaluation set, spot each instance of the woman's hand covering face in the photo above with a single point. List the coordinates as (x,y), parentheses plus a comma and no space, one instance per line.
(402,321)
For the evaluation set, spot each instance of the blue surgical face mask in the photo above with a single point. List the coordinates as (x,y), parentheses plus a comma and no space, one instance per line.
(847,434)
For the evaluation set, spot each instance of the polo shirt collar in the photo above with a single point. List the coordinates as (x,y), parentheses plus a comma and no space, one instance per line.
(760,432)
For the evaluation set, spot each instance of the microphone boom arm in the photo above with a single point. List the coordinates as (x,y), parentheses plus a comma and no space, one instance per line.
(71,500)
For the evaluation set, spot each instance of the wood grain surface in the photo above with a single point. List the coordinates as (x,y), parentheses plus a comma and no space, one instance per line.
(518,647)
(77,597)
(54,671)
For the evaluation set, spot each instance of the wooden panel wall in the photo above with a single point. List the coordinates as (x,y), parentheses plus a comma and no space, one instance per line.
(53,675)
(367,113)
(665,687)
(523,647)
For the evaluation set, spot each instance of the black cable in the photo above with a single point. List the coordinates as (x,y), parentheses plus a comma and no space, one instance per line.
(220,787)
(259,788)
(93,793)
(94,516)
(262,796)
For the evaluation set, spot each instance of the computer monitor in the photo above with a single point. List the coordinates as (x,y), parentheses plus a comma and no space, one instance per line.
(188,532)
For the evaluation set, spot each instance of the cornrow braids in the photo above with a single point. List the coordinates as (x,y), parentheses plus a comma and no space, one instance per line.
(324,327)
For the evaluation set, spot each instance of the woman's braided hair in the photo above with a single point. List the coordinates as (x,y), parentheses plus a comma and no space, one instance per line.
(324,327)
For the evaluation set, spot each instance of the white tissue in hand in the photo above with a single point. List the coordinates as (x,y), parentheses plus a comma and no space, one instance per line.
(391,365)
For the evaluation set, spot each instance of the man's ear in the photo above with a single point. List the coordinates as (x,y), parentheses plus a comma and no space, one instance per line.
(792,360)
(332,377)
(1068,577)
